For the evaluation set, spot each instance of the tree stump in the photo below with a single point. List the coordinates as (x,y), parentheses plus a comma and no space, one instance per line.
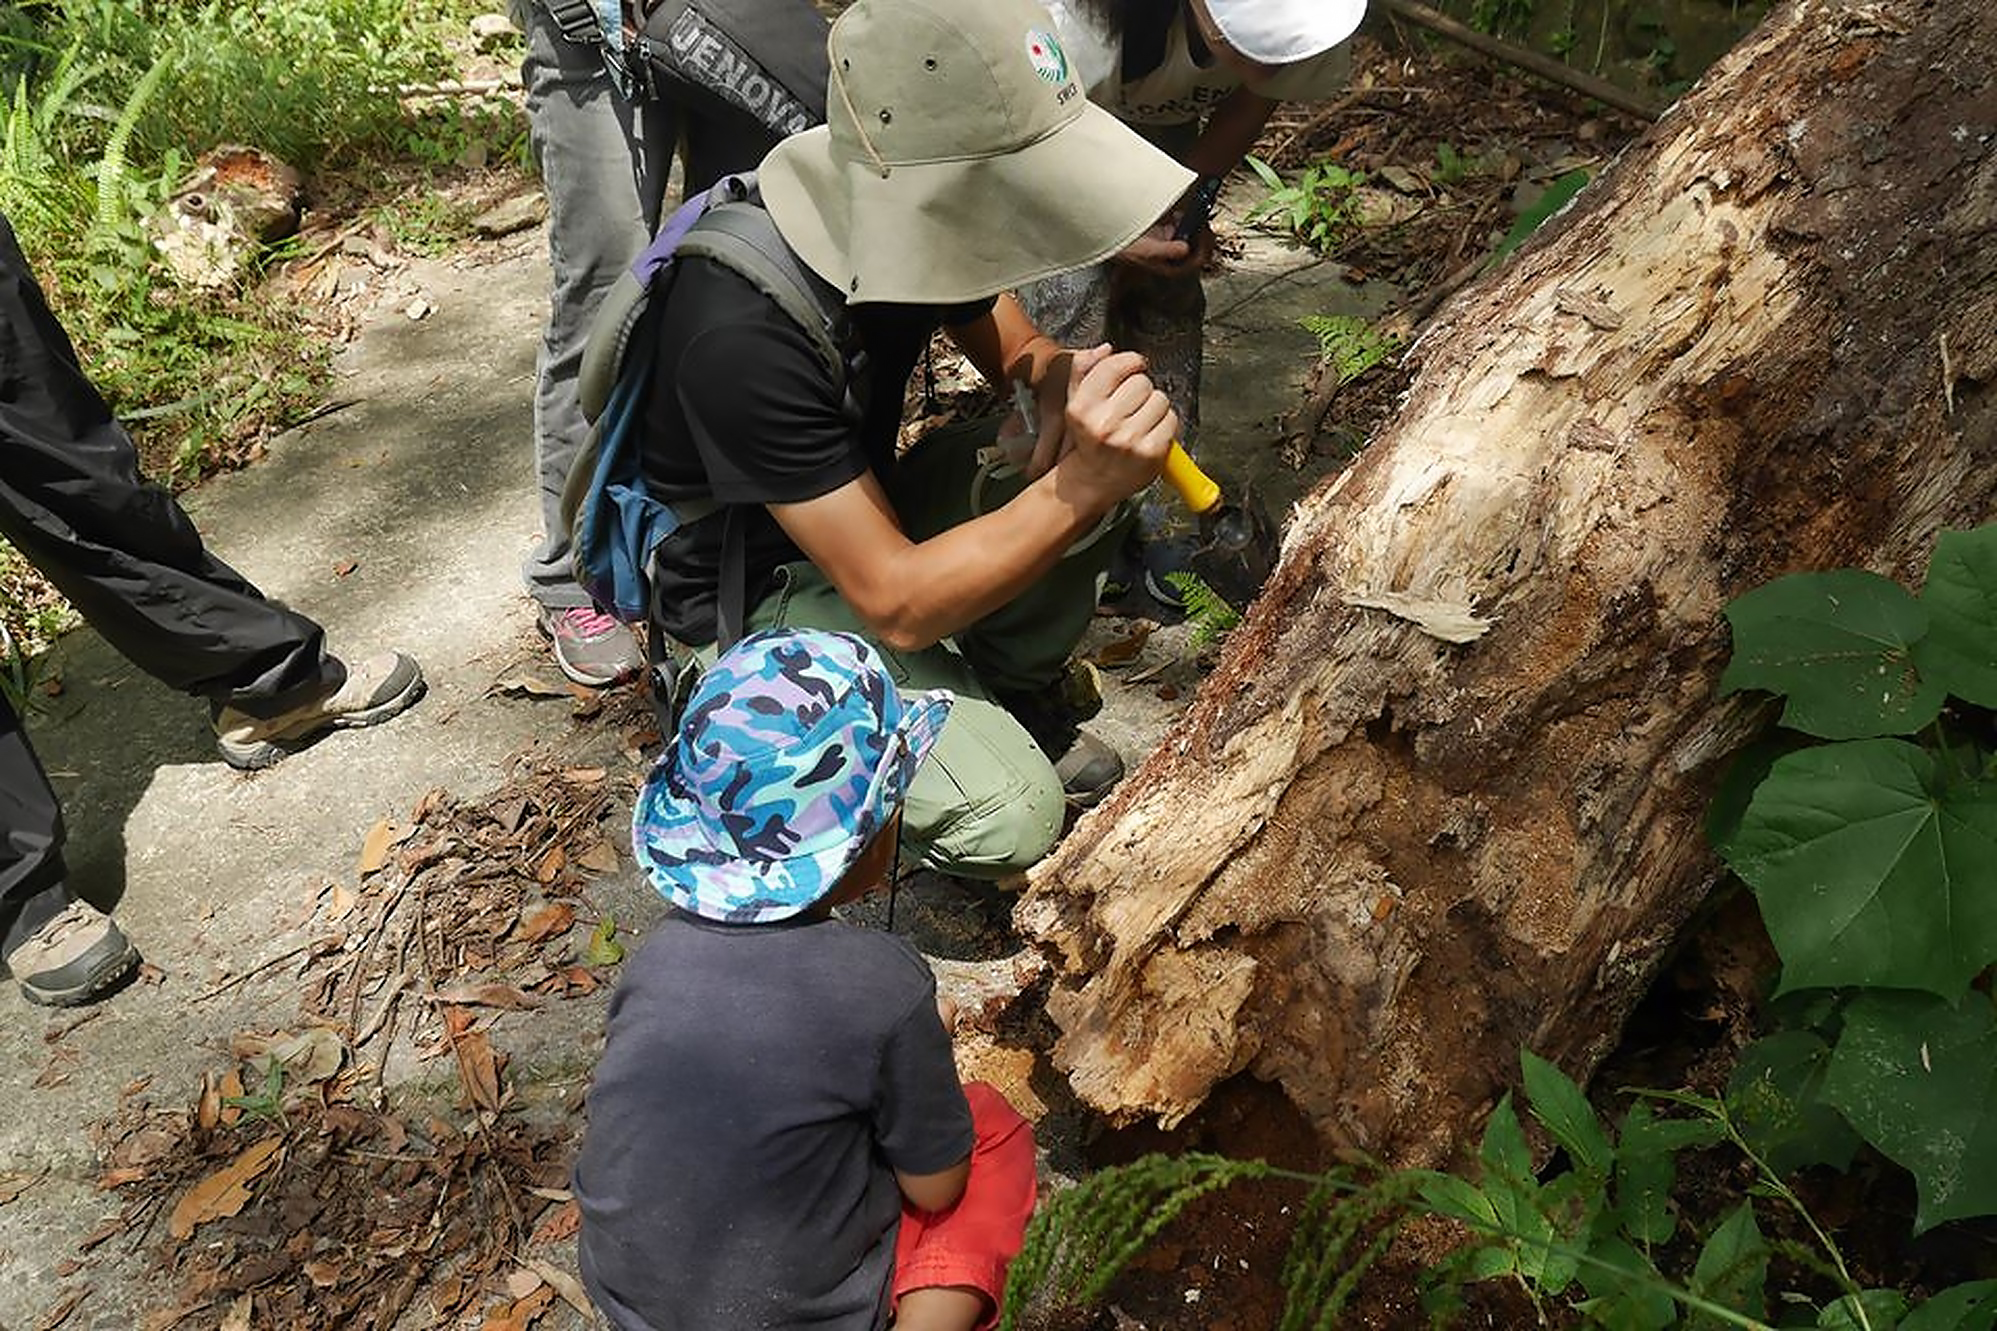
(1443,796)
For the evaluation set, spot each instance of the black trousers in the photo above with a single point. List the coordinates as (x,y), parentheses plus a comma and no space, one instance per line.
(124,553)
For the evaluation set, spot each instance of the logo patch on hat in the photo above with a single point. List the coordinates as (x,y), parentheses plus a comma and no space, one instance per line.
(1049,61)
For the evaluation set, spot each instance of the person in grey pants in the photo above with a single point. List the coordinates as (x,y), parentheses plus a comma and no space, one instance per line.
(718,82)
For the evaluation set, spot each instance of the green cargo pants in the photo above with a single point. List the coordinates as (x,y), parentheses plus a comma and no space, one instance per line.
(986,803)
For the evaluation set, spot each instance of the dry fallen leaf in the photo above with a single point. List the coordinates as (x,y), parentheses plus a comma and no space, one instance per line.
(383,837)
(551,865)
(344,567)
(584,776)
(208,1109)
(559,1224)
(226,1191)
(599,858)
(567,1285)
(478,1069)
(309,1056)
(486,993)
(342,902)
(1124,650)
(522,1283)
(550,921)
(231,1089)
(530,686)
(521,1314)
(238,1316)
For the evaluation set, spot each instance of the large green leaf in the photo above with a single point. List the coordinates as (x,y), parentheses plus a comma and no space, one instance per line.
(1918,1078)
(1967,1307)
(1960,652)
(1732,1270)
(1564,1112)
(1644,1178)
(1882,1308)
(1625,1289)
(1776,1096)
(1871,869)
(1838,647)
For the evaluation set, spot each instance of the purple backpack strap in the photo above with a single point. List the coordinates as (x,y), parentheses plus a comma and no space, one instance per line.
(660,252)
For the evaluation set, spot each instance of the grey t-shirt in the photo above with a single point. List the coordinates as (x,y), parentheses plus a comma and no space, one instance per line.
(759,1085)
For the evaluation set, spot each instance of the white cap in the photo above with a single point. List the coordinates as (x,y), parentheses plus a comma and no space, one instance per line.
(1282,32)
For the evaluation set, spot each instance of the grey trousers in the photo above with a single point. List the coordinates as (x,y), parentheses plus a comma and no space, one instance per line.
(604,164)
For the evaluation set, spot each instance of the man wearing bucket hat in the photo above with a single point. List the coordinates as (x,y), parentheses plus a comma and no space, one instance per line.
(777,1137)
(960,159)
(1198,78)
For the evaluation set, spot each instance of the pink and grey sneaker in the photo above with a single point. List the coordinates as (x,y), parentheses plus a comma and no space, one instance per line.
(592,649)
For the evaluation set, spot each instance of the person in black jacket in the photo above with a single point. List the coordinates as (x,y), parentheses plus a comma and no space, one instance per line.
(73,503)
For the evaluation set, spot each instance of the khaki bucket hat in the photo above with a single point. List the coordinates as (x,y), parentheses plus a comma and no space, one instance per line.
(961,158)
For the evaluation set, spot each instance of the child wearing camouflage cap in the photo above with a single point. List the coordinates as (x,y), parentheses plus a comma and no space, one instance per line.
(777,1135)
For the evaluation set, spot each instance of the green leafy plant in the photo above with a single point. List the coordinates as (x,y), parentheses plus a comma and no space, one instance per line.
(1594,1236)
(1319,209)
(1350,345)
(1551,200)
(603,948)
(1870,853)
(267,1102)
(1499,16)
(426,222)
(1450,165)
(1211,615)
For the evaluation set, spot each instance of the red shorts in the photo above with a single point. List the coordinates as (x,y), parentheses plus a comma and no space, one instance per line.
(973,1242)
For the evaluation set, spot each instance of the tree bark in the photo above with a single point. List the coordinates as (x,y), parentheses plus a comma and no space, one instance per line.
(1372,861)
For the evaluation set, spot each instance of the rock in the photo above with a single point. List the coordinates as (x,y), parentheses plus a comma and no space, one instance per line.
(511,215)
(493,32)
(238,200)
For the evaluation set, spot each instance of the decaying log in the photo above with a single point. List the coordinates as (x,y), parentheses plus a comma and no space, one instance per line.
(1385,847)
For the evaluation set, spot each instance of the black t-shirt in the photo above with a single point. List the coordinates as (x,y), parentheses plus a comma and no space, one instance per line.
(743,410)
(758,1087)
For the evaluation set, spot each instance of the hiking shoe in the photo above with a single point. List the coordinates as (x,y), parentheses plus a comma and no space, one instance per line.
(592,649)
(1088,768)
(378,688)
(72,959)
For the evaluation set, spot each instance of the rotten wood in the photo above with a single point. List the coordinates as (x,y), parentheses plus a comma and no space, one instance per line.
(1368,864)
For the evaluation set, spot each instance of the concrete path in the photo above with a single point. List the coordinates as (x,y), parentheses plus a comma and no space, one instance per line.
(420,484)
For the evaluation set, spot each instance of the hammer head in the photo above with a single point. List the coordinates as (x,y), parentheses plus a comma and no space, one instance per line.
(1231,548)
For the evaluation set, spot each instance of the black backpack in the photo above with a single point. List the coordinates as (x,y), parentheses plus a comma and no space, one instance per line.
(615,524)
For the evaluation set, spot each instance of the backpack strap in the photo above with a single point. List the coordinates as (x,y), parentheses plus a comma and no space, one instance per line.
(577,20)
(741,238)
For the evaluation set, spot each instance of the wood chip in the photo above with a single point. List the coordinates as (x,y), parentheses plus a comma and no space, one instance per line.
(1592,308)
(63,1307)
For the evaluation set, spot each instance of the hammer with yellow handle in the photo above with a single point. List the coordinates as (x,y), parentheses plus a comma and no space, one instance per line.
(1200,491)
(1235,538)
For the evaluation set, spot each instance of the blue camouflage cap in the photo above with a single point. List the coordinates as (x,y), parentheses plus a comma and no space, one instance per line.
(793,752)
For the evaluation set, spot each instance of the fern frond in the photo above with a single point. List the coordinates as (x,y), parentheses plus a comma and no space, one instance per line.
(112,189)
(1082,1238)
(1321,1271)
(1210,613)
(1351,345)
